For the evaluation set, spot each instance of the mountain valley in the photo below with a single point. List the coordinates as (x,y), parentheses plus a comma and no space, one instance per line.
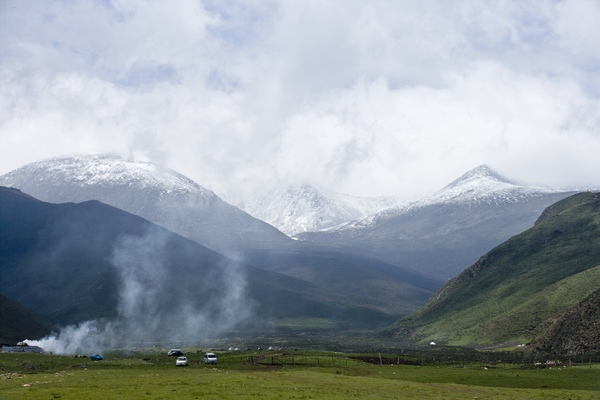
(75,262)
(105,239)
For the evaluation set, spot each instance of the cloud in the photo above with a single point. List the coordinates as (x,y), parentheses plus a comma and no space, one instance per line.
(364,97)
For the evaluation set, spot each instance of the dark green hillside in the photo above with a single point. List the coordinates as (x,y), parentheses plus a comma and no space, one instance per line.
(18,323)
(516,291)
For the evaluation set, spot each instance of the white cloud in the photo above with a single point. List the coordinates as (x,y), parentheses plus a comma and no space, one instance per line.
(365,97)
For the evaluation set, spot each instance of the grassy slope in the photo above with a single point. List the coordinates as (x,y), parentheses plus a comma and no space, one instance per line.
(515,291)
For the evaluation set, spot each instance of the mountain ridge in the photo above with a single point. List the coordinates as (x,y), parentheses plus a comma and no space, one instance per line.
(156,193)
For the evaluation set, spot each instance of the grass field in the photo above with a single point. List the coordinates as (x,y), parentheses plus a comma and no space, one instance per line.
(279,375)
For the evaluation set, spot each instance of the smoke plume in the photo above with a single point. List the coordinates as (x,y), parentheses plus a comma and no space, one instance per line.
(166,295)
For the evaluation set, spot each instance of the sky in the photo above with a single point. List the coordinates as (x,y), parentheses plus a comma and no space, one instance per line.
(368,98)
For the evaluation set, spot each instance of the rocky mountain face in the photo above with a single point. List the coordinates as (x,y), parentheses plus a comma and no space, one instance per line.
(446,232)
(158,194)
(303,208)
(575,333)
(539,286)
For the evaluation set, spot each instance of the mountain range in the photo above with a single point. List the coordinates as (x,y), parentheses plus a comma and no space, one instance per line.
(540,287)
(439,235)
(444,233)
(168,257)
(175,202)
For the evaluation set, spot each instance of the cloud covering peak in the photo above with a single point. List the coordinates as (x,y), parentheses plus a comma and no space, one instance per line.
(367,98)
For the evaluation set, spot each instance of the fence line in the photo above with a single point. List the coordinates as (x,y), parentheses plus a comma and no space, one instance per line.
(459,360)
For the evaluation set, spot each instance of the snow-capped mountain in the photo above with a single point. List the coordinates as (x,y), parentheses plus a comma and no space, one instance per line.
(158,194)
(485,186)
(446,232)
(303,208)
(479,186)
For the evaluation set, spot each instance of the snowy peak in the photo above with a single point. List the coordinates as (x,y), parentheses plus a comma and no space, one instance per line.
(483,185)
(304,208)
(298,209)
(477,175)
(107,170)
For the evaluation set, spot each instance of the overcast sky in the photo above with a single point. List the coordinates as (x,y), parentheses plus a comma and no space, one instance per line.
(362,97)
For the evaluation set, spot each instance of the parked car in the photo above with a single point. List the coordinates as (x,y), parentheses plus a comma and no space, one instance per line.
(181,362)
(96,357)
(175,353)
(210,358)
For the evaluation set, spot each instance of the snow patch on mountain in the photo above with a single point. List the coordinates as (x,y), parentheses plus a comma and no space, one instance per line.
(303,208)
(102,170)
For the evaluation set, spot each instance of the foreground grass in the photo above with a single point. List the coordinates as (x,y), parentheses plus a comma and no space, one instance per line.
(155,376)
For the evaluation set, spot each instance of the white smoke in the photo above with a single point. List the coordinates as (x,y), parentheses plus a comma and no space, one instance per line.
(74,339)
(158,304)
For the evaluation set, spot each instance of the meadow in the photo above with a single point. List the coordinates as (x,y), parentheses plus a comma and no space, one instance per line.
(285,375)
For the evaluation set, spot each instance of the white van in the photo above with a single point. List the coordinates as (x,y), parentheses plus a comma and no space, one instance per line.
(210,358)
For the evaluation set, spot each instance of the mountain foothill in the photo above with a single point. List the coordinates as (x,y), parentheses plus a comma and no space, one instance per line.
(485,261)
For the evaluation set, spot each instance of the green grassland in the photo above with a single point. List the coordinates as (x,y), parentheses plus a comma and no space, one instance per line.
(282,375)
